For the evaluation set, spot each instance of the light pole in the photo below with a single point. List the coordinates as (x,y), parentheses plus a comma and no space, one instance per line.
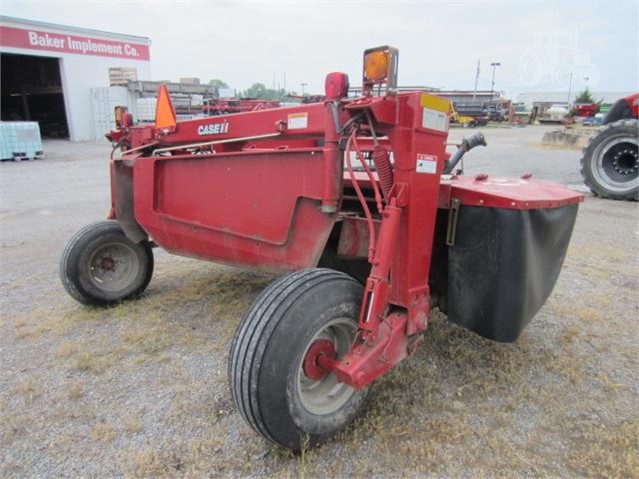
(569,89)
(303,85)
(476,78)
(586,81)
(492,83)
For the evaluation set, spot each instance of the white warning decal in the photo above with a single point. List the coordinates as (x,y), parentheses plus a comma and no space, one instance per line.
(435,120)
(426,164)
(297,121)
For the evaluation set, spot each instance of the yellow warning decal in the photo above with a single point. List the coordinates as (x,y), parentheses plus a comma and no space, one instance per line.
(433,102)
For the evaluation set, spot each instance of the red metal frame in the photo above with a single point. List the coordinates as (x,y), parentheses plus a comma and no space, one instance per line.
(266,188)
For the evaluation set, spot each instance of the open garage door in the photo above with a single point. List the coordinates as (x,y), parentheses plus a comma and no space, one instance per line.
(32,91)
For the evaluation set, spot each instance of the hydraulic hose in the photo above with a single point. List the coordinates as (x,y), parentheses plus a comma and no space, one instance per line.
(467,144)
(360,196)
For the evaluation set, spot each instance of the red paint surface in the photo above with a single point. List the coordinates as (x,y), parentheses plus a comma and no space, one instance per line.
(265,192)
(633,101)
(32,39)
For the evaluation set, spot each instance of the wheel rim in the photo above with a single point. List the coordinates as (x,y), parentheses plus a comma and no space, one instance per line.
(617,164)
(113,267)
(326,395)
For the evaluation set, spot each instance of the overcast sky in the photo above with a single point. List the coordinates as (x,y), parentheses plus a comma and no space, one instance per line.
(537,43)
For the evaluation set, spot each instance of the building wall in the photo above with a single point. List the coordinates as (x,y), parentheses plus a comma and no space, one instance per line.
(80,72)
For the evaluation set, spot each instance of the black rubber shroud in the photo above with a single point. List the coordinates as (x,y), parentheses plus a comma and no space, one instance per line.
(502,268)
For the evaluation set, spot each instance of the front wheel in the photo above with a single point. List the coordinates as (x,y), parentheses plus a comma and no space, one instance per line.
(100,266)
(276,383)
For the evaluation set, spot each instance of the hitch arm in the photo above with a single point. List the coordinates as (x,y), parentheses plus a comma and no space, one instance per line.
(381,341)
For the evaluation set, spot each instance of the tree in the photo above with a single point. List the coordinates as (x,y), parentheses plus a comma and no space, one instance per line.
(256,90)
(218,83)
(585,97)
(259,91)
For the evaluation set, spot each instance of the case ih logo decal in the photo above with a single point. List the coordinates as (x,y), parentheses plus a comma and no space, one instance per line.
(213,129)
(58,42)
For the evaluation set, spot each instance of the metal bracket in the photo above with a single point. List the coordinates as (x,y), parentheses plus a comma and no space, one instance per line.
(453,215)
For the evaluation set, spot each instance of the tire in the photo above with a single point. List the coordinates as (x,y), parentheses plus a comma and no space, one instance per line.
(89,268)
(266,363)
(610,163)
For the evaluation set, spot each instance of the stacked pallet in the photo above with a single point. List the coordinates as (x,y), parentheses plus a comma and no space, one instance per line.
(20,140)
(122,75)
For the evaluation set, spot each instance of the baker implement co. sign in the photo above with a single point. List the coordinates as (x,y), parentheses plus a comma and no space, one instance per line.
(58,42)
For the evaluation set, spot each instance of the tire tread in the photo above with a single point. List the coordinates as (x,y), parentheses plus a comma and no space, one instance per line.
(586,156)
(254,332)
(107,226)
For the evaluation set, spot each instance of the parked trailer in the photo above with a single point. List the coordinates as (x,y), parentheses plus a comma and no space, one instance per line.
(276,190)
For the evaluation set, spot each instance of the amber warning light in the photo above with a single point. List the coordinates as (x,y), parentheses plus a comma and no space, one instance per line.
(380,67)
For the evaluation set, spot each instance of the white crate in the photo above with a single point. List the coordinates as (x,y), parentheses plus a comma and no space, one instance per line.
(20,140)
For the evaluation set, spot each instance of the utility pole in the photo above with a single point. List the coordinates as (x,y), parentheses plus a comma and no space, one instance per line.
(303,85)
(476,78)
(569,88)
(492,84)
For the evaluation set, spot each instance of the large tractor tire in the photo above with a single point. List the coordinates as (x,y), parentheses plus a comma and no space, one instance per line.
(275,381)
(610,162)
(100,266)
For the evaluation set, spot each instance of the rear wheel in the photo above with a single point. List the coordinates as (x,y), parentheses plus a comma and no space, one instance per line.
(610,164)
(101,266)
(276,383)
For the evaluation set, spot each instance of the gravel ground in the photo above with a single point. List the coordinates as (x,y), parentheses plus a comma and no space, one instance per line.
(140,390)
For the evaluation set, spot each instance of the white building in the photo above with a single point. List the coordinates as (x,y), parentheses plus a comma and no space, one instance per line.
(60,76)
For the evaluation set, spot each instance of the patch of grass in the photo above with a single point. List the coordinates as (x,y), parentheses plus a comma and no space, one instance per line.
(89,361)
(69,349)
(28,389)
(591,314)
(14,427)
(149,340)
(86,412)
(54,320)
(132,423)
(153,463)
(103,432)
(74,390)
(611,452)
